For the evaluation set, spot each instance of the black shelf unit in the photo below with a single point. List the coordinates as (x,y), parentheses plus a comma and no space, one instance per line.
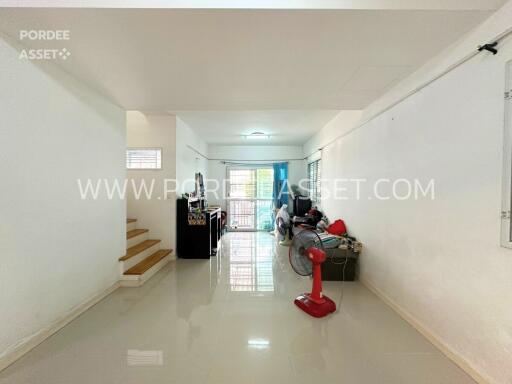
(197,241)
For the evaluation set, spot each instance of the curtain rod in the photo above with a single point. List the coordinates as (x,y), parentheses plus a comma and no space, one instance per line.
(414,91)
(243,160)
(261,161)
(253,162)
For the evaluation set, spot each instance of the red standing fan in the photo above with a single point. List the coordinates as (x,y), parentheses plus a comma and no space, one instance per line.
(306,256)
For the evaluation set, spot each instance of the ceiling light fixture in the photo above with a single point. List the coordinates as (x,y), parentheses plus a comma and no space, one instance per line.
(258,343)
(257,136)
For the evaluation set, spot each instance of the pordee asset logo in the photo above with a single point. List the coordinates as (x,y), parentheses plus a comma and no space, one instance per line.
(44,53)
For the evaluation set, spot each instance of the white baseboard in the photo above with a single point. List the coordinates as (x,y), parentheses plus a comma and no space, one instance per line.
(26,345)
(460,361)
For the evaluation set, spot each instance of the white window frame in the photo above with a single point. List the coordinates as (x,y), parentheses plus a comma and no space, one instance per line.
(254,199)
(506,199)
(317,196)
(159,149)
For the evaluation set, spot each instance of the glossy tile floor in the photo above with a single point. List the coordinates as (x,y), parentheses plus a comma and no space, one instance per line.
(232,320)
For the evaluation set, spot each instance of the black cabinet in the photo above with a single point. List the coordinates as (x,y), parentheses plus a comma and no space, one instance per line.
(198,235)
(340,265)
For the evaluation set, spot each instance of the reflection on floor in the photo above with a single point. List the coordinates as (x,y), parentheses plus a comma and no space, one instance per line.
(250,266)
(232,320)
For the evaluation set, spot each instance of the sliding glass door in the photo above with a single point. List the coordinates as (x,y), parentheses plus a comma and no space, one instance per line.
(250,198)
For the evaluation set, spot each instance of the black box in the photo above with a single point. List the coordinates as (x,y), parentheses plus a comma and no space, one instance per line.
(337,259)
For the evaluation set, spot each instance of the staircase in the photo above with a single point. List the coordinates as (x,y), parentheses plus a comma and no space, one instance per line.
(143,257)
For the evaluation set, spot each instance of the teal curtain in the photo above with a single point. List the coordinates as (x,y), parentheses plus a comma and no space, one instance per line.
(280,195)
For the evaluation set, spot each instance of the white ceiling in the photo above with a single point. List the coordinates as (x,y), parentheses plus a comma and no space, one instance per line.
(263,4)
(160,60)
(300,64)
(284,127)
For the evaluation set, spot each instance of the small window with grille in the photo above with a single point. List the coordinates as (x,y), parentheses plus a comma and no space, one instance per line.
(144,158)
(314,180)
(506,217)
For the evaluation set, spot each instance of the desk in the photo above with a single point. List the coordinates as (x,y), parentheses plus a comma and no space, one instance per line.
(198,235)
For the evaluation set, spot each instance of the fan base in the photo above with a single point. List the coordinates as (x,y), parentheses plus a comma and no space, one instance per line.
(314,309)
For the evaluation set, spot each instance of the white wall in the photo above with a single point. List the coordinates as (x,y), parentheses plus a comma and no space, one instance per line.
(158,214)
(256,154)
(440,261)
(56,250)
(188,161)
(340,124)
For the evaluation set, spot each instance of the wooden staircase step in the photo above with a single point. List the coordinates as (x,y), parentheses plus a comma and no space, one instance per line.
(135,232)
(128,221)
(148,262)
(136,249)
